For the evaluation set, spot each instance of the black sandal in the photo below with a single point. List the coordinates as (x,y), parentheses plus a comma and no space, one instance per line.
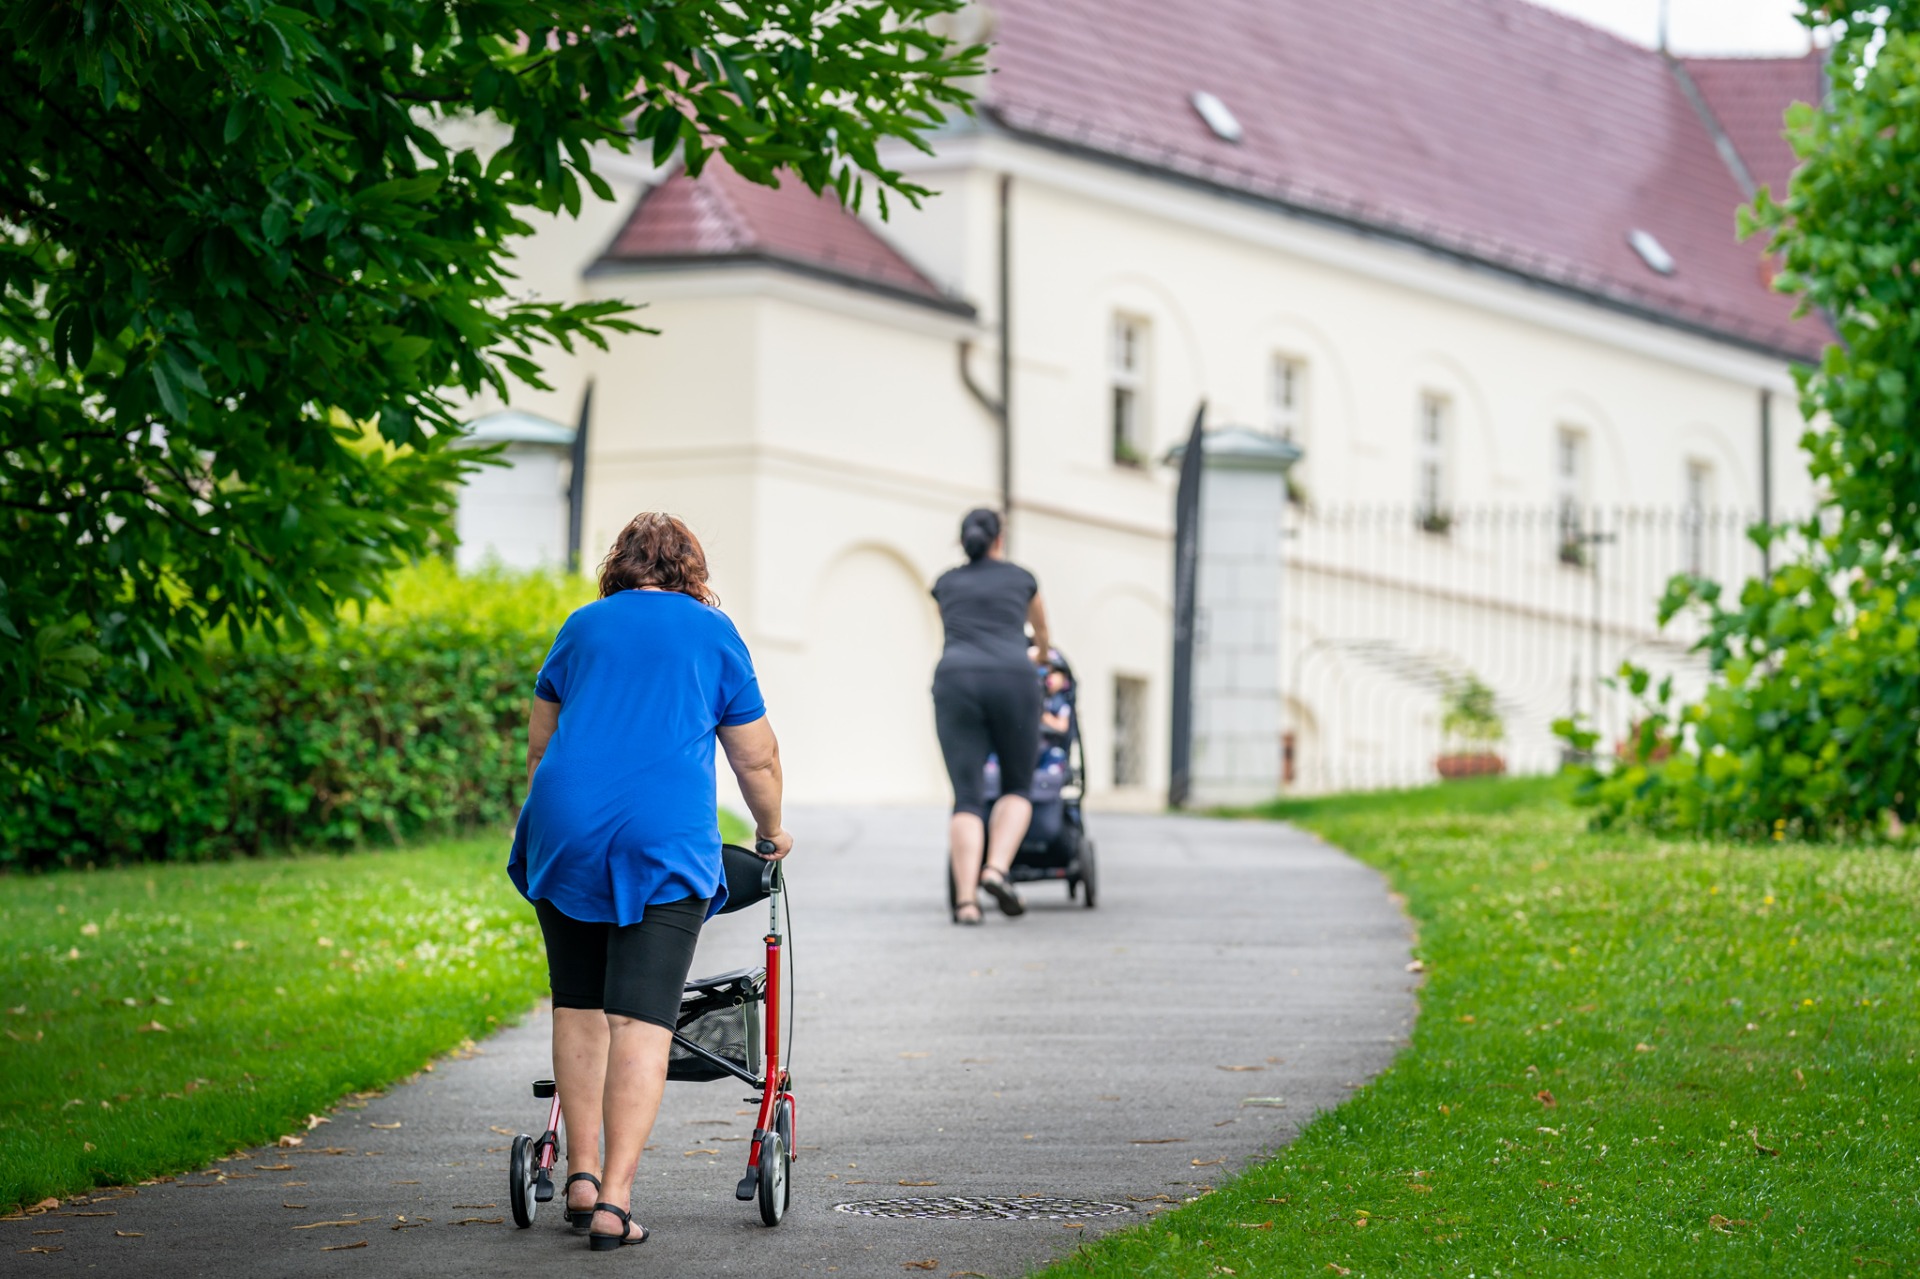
(1002,892)
(972,921)
(580,1218)
(598,1242)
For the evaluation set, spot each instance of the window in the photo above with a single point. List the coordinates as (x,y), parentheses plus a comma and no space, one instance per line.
(1287,398)
(1129,731)
(1570,495)
(1436,414)
(1694,519)
(1127,361)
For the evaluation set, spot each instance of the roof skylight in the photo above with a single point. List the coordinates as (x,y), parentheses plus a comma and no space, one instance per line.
(1651,251)
(1222,121)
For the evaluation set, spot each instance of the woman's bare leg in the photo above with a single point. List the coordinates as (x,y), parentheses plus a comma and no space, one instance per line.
(967,837)
(636,1070)
(1012,814)
(580,1070)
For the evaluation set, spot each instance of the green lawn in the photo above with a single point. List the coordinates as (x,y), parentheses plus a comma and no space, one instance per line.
(1634,1057)
(156,1017)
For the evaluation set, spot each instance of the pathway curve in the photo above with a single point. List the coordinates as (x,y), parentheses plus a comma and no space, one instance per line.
(1078,1053)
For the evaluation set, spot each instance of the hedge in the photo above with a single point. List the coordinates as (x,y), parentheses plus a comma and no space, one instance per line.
(405,722)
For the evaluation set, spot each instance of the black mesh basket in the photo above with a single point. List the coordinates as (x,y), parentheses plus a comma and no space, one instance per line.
(726,1022)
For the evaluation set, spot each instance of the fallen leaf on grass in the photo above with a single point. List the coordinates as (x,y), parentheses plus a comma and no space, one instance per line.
(1157,1141)
(1643,1048)
(1338,1270)
(130,1234)
(274,1167)
(389,1127)
(1255,1225)
(45,1249)
(1239,1068)
(1206,1163)
(151,1026)
(287,1142)
(1753,1134)
(929,1264)
(1545,1098)
(1416,967)
(343,1247)
(45,1205)
(479,1221)
(314,1121)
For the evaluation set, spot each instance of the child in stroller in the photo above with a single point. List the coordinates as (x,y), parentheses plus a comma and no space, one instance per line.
(1057,845)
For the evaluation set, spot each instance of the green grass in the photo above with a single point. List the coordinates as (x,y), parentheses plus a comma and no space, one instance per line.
(283,985)
(1633,1057)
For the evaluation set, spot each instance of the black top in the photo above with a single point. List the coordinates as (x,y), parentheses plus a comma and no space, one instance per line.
(984,607)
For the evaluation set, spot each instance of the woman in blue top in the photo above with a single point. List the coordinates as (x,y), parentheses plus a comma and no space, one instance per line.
(617,846)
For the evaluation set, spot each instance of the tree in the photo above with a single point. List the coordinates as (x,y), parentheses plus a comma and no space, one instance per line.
(1811,723)
(243,280)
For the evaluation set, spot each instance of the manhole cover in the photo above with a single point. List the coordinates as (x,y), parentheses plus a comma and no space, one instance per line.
(966,1208)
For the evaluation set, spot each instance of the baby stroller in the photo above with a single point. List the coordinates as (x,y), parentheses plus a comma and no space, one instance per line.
(1057,845)
(726,1025)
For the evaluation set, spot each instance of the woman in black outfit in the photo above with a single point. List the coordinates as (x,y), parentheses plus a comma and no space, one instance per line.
(986,700)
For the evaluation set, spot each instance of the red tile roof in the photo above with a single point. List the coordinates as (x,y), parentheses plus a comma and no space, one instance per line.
(1492,130)
(721,216)
(1747,96)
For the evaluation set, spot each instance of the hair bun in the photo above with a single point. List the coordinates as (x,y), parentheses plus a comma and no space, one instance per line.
(978,532)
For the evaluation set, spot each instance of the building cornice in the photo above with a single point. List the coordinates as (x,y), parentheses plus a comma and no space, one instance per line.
(1353,246)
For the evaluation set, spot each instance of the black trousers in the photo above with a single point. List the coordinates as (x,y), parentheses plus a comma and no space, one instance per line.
(632,970)
(982,712)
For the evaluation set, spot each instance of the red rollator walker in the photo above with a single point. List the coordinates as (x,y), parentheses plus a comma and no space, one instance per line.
(723,1026)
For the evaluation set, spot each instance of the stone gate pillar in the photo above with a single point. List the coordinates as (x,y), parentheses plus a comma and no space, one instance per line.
(1236,663)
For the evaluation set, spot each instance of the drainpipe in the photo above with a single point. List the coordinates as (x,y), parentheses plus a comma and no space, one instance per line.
(1766,477)
(1000,408)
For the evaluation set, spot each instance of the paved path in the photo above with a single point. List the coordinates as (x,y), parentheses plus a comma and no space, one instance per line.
(1037,1056)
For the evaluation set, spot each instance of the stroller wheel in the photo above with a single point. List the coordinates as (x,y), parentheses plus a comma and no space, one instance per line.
(522,1168)
(1089,876)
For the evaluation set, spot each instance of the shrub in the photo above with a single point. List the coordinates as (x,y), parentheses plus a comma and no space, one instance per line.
(405,721)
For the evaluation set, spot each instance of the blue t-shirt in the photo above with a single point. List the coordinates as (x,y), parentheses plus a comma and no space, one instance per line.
(621,812)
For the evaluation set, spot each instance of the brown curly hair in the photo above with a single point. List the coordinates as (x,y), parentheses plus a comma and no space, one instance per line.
(657,550)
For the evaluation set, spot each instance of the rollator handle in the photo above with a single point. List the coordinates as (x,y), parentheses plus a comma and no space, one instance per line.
(766,847)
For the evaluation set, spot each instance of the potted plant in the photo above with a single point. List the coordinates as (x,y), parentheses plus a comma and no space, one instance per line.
(1472,729)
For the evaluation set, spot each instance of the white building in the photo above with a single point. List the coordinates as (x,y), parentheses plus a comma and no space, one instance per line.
(1476,253)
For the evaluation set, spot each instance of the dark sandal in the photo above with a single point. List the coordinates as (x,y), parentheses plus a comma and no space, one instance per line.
(1002,892)
(967,921)
(580,1218)
(598,1242)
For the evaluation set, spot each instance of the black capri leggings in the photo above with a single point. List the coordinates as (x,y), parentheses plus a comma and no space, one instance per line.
(987,711)
(631,970)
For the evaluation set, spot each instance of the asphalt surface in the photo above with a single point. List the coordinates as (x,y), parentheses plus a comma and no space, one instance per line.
(1235,979)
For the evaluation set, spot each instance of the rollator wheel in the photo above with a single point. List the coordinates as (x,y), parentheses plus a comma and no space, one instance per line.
(1089,876)
(775,1160)
(522,1167)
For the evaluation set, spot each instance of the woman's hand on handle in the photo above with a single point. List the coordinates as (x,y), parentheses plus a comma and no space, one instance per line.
(773,846)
